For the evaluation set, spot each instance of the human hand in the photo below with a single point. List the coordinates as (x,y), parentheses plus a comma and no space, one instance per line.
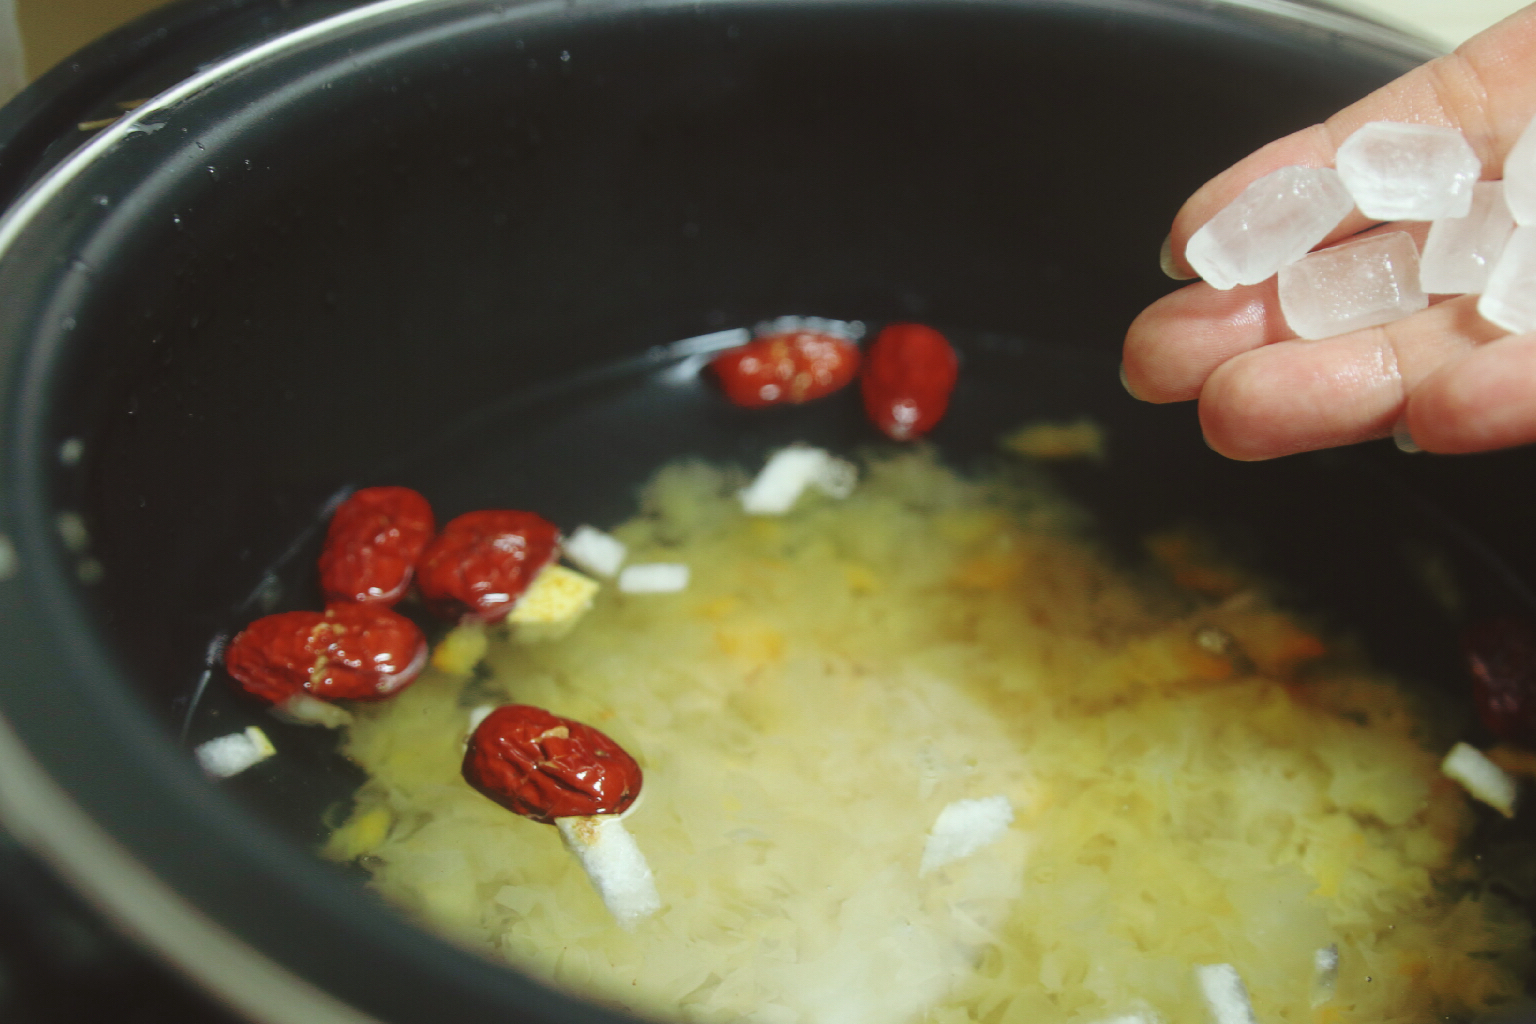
(1443,378)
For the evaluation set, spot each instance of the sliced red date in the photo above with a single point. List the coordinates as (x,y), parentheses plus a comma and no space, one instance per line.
(482,562)
(544,767)
(908,375)
(790,368)
(373,543)
(347,652)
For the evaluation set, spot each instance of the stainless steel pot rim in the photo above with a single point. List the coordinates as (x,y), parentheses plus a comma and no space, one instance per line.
(45,817)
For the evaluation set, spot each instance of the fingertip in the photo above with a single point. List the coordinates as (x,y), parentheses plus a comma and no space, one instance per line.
(1174,344)
(1299,396)
(1483,401)
(1226,404)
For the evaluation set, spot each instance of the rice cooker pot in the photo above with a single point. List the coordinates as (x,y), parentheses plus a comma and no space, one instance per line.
(331,242)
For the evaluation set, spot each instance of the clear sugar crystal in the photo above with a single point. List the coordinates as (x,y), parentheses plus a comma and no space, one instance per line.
(1509,299)
(1461,251)
(1520,176)
(1275,221)
(1352,286)
(1408,171)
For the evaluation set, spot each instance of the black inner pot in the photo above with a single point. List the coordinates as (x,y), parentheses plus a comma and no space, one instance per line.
(440,247)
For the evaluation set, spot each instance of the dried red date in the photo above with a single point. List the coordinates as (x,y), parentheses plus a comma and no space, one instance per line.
(347,652)
(545,767)
(372,545)
(1501,655)
(482,562)
(787,368)
(908,375)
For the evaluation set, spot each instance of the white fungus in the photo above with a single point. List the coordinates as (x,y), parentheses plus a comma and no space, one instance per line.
(1225,994)
(654,578)
(1480,777)
(962,828)
(789,471)
(233,754)
(599,553)
(614,864)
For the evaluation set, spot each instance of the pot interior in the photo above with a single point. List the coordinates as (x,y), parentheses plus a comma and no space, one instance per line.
(447,245)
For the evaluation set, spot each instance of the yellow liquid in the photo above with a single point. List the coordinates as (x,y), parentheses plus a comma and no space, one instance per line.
(1194,779)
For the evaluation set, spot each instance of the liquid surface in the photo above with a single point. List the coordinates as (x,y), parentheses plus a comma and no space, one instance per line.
(1196,778)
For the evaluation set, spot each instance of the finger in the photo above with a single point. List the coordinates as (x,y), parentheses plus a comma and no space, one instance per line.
(1176,342)
(1484,90)
(1179,341)
(1296,396)
(1482,401)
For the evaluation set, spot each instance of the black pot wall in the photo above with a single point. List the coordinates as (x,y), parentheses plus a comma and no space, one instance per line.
(437,250)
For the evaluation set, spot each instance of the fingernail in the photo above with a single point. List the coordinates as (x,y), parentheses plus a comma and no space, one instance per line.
(1403,439)
(1165,260)
(1125,382)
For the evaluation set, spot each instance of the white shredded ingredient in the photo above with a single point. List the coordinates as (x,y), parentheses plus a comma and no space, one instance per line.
(599,553)
(654,578)
(1480,777)
(1225,994)
(614,864)
(302,709)
(1143,1017)
(233,754)
(789,471)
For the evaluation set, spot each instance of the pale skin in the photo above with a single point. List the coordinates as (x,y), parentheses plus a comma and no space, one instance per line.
(1443,378)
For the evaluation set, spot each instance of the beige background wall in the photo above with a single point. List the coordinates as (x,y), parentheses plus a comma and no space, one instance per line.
(52,29)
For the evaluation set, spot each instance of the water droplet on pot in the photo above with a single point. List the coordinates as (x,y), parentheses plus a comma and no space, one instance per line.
(72,531)
(565,55)
(101,200)
(268,592)
(71,451)
(213,172)
(89,571)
